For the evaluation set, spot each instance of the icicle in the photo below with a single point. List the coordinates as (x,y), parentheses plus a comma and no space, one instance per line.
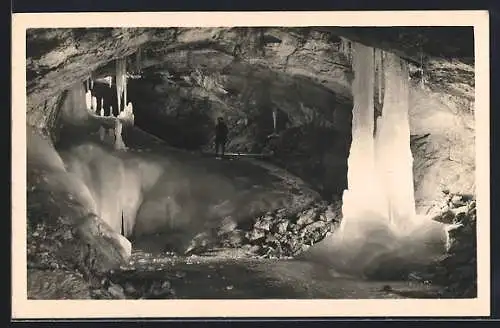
(102,106)
(380,74)
(421,69)
(91,84)
(274,121)
(111,111)
(87,84)
(124,88)
(121,76)
(138,61)
(118,83)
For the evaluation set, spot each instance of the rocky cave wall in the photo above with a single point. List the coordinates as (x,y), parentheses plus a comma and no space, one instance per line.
(191,76)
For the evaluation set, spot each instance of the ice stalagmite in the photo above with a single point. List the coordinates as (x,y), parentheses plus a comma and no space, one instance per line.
(88,100)
(127,115)
(360,197)
(94,104)
(394,157)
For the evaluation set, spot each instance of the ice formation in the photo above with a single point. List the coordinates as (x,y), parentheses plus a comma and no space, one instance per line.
(88,99)
(360,196)
(121,82)
(119,144)
(379,71)
(274,120)
(94,103)
(380,176)
(127,114)
(138,59)
(394,157)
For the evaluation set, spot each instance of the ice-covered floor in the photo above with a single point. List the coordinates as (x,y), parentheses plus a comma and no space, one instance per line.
(230,274)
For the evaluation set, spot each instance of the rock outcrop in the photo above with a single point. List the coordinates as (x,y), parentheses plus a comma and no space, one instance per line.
(457,270)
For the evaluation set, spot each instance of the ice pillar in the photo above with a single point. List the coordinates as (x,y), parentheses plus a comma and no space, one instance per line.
(88,100)
(394,157)
(361,197)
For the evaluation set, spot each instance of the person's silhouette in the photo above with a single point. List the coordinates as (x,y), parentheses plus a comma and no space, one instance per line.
(221,132)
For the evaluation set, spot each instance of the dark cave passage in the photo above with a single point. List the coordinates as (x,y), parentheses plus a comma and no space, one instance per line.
(314,151)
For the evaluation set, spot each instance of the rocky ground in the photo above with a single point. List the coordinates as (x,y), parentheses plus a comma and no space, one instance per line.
(276,234)
(457,270)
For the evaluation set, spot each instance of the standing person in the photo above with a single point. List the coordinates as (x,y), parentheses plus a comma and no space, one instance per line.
(221,132)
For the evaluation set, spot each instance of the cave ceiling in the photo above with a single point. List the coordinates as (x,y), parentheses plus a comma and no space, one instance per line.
(300,66)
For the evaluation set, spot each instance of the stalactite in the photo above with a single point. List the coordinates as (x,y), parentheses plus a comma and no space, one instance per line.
(421,69)
(121,82)
(138,59)
(380,74)
(274,121)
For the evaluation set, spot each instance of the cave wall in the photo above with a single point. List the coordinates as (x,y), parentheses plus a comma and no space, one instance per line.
(443,145)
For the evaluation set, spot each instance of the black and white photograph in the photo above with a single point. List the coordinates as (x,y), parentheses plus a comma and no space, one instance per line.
(251,161)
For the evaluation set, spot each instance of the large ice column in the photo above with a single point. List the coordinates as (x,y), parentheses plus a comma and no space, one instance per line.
(393,153)
(362,194)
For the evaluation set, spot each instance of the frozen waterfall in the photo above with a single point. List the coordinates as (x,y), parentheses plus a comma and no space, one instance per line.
(393,154)
(360,198)
(380,174)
